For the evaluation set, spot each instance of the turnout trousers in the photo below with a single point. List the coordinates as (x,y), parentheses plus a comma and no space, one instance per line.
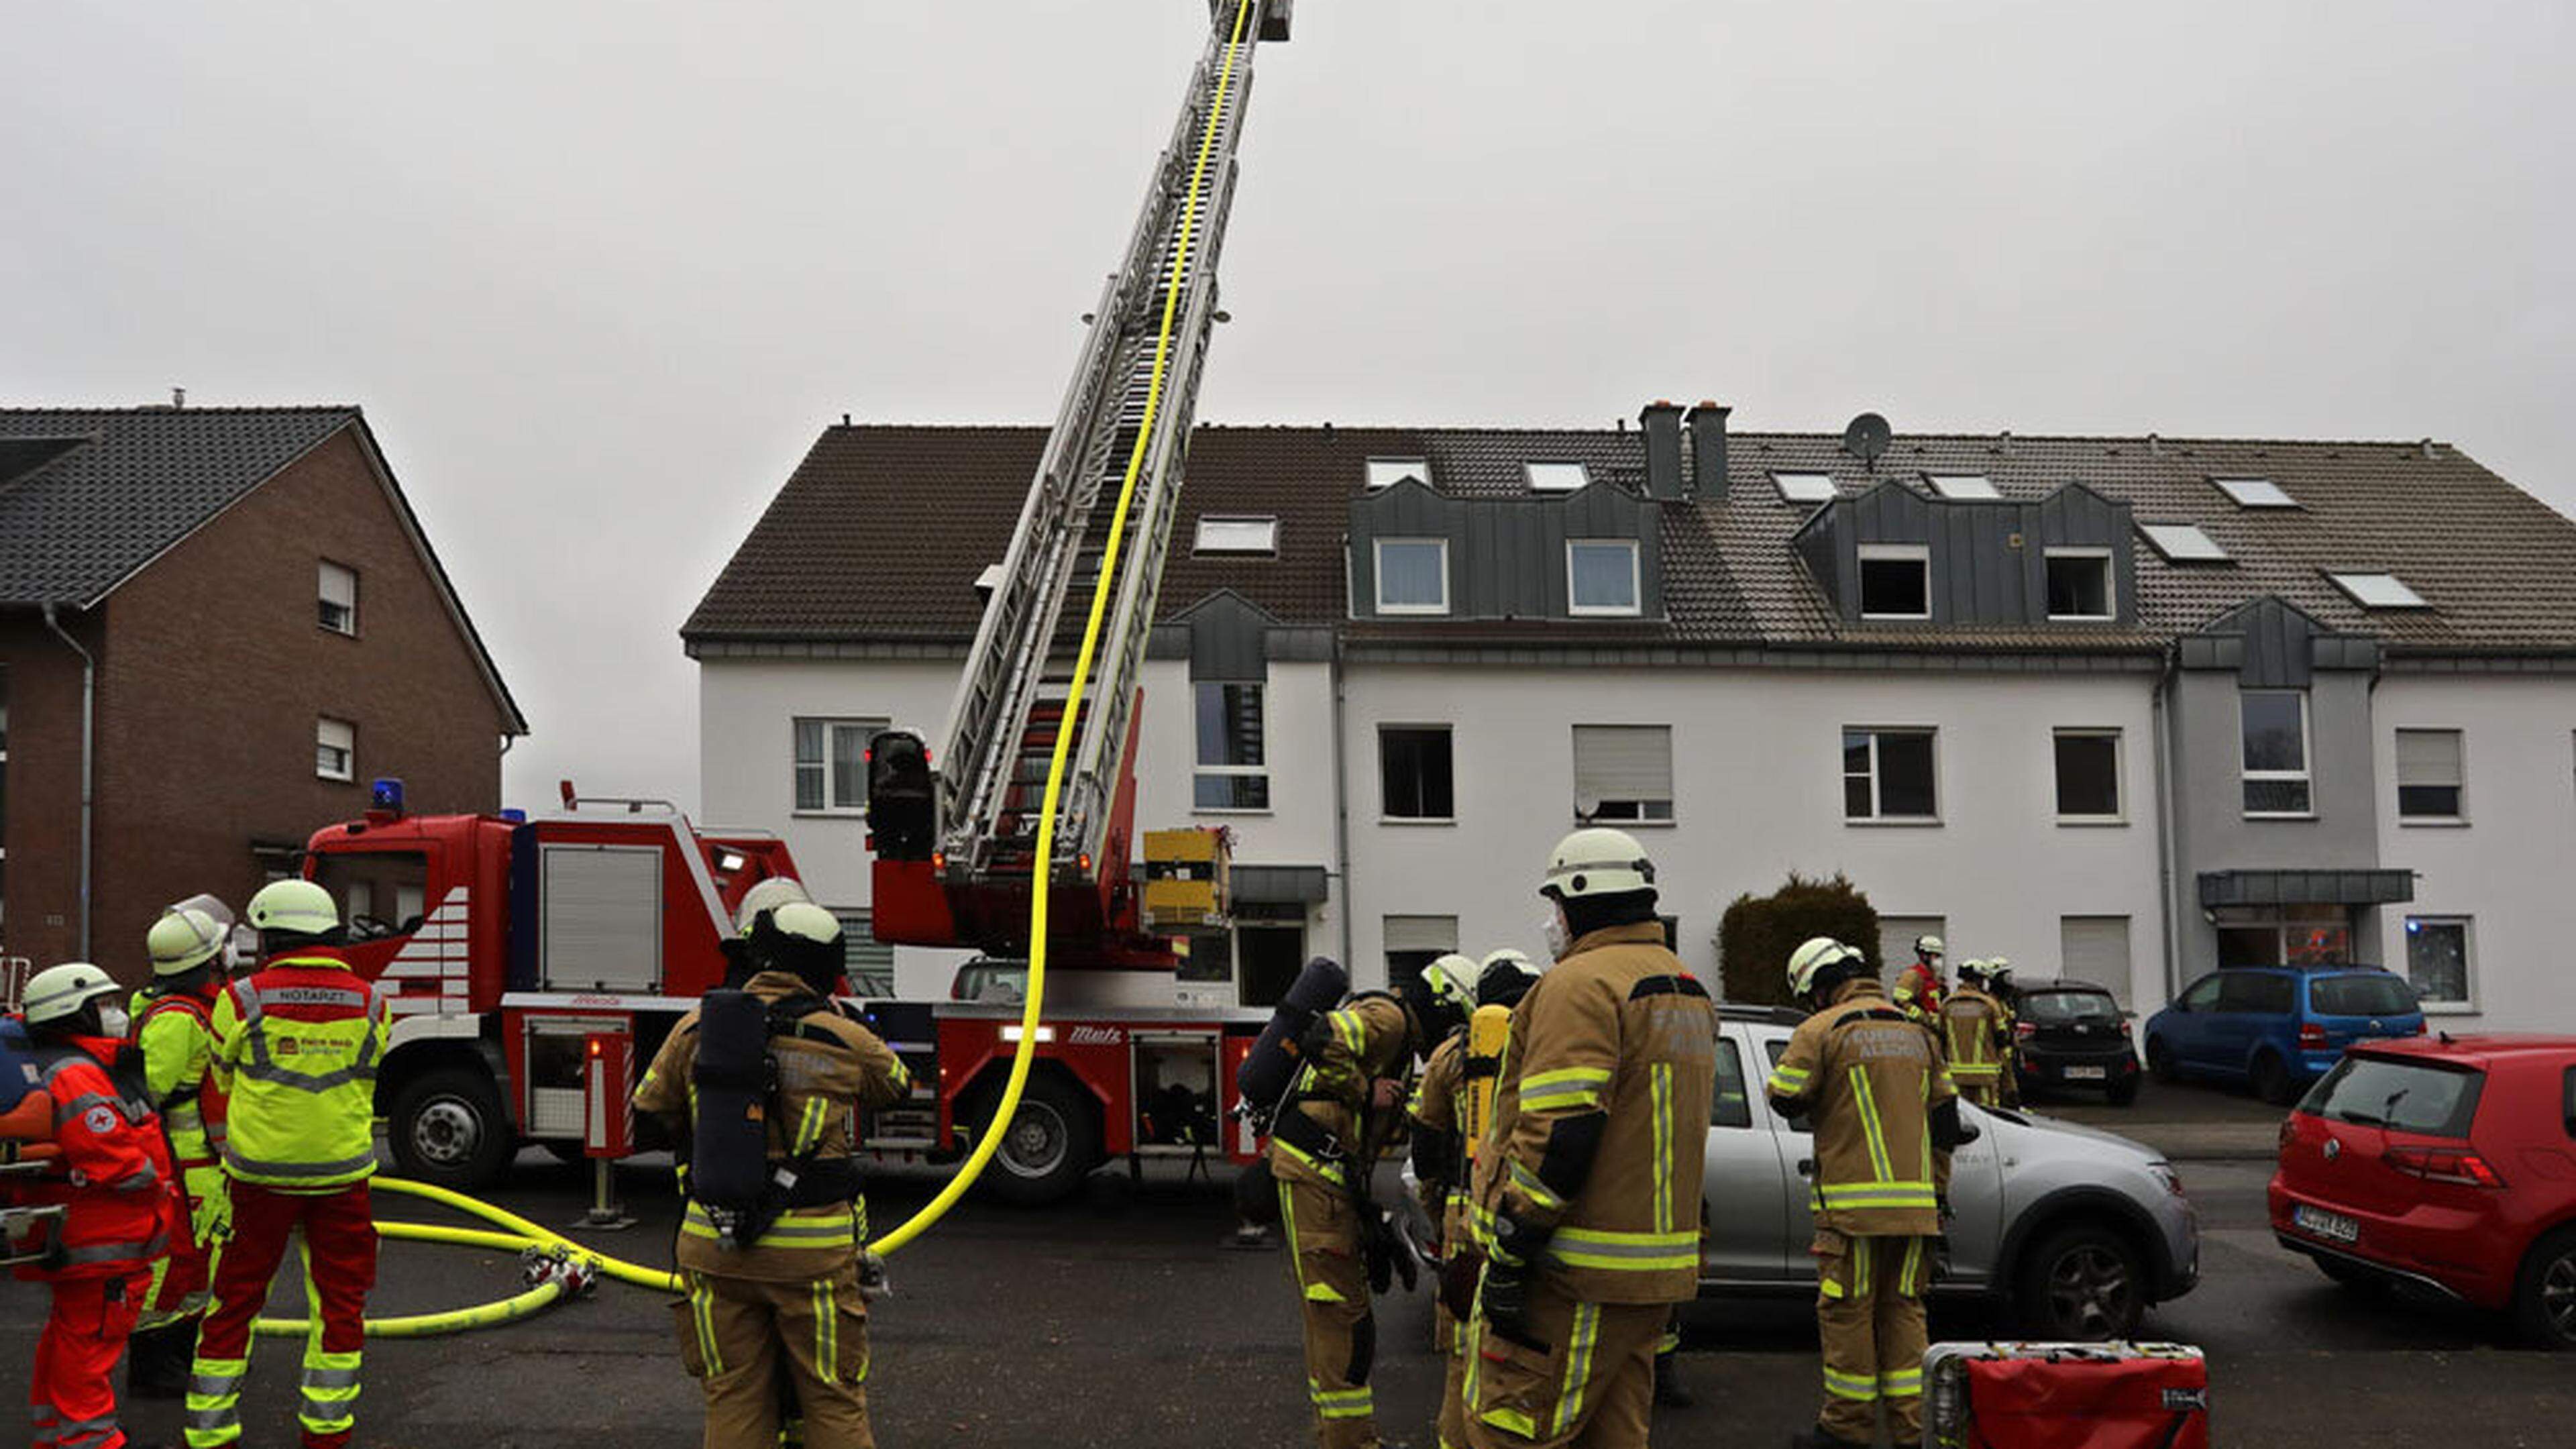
(1453,1387)
(1869,1313)
(1323,1234)
(71,1392)
(741,1338)
(1585,1381)
(339,1251)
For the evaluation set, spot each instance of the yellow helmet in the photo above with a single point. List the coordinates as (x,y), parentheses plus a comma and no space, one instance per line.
(298,906)
(1810,960)
(1598,862)
(183,940)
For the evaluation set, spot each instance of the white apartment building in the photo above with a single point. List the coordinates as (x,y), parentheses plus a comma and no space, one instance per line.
(2119,709)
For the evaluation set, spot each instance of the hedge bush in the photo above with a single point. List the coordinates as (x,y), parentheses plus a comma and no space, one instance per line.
(1758,933)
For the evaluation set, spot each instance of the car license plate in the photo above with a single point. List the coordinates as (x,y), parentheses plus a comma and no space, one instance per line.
(2088,1074)
(2324,1224)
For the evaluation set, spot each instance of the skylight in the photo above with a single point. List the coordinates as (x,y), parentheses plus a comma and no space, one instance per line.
(2379,591)
(1962,487)
(1556,477)
(2183,543)
(1387,472)
(2255,492)
(1805,487)
(1259,536)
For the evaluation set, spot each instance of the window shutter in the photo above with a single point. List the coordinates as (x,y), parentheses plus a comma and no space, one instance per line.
(2428,757)
(2096,949)
(1622,762)
(339,586)
(1422,933)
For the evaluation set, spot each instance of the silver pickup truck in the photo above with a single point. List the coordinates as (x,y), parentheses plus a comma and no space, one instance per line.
(2078,1231)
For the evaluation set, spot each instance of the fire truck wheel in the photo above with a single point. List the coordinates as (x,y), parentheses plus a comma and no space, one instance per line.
(1053,1142)
(448,1128)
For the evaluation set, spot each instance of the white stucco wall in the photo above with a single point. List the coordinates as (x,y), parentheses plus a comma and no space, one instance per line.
(2512,867)
(1758,785)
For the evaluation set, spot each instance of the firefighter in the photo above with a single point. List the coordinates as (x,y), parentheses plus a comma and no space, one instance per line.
(1872,1081)
(175,1025)
(119,1205)
(1975,1036)
(1919,986)
(775,1296)
(1344,1107)
(1587,1199)
(1999,985)
(297,1044)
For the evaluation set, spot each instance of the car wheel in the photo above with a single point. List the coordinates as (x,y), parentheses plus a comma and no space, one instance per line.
(2544,1300)
(1052,1143)
(2160,1060)
(2083,1283)
(447,1127)
(2270,1079)
(2124,1092)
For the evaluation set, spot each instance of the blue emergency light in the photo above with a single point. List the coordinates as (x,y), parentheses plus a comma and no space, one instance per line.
(515,816)
(386,794)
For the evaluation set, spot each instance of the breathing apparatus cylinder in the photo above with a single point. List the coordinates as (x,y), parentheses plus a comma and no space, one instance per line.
(729,1149)
(1486,1032)
(1264,1077)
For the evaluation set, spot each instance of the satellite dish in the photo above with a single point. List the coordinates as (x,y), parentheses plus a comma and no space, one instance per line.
(1867,438)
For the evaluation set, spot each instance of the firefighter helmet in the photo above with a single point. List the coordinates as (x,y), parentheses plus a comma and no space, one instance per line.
(1973,970)
(1452,978)
(1515,956)
(1928,947)
(183,940)
(57,993)
(768,895)
(1598,862)
(296,906)
(1811,960)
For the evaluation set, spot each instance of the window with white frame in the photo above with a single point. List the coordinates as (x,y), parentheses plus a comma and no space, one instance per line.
(1601,576)
(1888,775)
(1804,487)
(1556,477)
(2430,781)
(1895,581)
(832,765)
(1233,764)
(2275,728)
(1256,537)
(339,598)
(1963,487)
(1387,472)
(2079,583)
(335,749)
(1623,773)
(2088,775)
(2438,961)
(1413,576)
(1414,773)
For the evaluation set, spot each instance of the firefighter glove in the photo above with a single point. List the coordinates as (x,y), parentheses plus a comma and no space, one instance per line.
(1505,1302)
(1458,1281)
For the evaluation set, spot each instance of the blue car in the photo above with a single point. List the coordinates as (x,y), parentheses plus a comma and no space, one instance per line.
(2275,1029)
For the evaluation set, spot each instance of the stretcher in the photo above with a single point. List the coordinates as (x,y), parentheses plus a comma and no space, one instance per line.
(2065,1396)
(26,1150)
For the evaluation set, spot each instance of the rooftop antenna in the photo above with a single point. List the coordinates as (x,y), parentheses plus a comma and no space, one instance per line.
(1867,438)
(178,397)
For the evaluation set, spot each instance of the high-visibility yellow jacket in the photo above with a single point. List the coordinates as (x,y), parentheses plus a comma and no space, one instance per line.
(1616,1029)
(297,1044)
(177,1034)
(1369,1038)
(1976,1031)
(1869,1077)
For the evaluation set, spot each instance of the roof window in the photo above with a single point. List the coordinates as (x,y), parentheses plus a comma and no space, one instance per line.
(1387,472)
(2379,591)
(1255,536)
(1556,477)
(2183,543)
(1963,487)
(1805,487)
(2255,492)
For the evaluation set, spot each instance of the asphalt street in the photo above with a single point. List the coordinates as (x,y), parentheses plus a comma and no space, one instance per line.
(1128,1320)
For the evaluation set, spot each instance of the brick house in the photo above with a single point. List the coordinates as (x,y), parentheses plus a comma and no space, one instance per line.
(260,628)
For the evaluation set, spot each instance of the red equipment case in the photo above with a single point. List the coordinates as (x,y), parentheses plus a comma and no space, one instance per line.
(2065,1396)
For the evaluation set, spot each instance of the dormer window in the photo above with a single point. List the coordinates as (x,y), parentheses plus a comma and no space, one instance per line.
(1556,477)
(1387,472)
(1895,581)
(2079,583)
(1601,576)
(1413,576)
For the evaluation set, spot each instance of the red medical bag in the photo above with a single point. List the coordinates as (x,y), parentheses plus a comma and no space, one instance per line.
(2065,1396)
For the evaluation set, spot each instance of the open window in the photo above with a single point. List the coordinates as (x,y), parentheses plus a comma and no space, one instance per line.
(1895,581)
(2079,584)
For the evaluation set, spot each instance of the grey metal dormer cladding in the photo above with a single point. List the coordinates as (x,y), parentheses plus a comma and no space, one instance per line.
(1989,559)
(1507,557)
(1229,639)
(2271,644)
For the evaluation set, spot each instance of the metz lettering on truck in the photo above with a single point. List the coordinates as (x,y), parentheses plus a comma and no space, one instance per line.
(1095,1036)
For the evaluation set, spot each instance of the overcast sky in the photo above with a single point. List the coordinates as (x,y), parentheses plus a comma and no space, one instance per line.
(599,273)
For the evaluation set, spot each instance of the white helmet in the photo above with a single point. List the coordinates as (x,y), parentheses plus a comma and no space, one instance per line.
(1929,946)
(806,920)
(768,895)
(57,993)
(1452,978)
(1811,959)
(1598,862)
(299,906)
(1515,956)
(183,940)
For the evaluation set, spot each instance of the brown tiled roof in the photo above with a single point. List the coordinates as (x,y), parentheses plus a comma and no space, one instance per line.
(880,533)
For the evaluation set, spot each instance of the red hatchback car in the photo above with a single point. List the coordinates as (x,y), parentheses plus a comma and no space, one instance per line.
(2443,1162)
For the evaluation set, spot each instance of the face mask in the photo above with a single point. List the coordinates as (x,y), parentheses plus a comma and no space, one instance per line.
(1559,937)
(112,1021)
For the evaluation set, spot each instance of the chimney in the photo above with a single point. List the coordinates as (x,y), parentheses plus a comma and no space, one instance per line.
(1708,451)
(1663,424)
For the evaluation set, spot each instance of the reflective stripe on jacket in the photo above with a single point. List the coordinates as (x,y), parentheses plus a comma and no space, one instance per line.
(1619,1028)
(298,1044)
(1974,1031)
(177,1034)
(1369,1038)
(118,1190)
(1869,1077)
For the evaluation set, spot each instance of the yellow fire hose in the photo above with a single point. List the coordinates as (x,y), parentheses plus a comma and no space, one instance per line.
(560,1267)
